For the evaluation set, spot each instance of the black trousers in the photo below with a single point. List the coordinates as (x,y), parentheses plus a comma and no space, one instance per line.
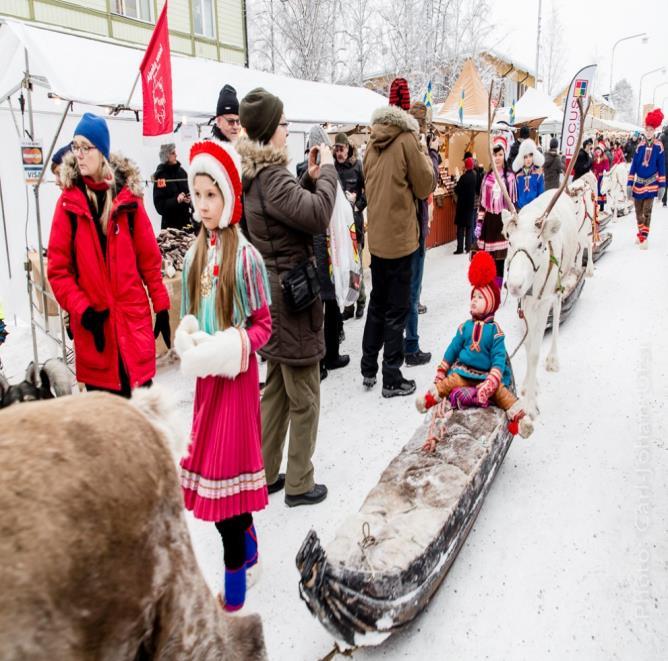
(233,533)
(333,325)
(389,304)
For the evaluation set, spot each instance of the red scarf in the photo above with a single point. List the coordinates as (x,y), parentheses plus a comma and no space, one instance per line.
(96,185)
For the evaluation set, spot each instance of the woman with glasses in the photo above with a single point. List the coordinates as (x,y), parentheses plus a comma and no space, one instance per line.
(283,215)
(102,258)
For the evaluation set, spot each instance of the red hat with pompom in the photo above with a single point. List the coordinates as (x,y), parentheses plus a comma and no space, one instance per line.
(654,118)
(482,276)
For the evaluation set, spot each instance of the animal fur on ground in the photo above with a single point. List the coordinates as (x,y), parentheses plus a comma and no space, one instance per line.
(95,556)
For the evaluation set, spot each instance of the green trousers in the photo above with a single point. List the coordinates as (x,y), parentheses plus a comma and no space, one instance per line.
(291,396)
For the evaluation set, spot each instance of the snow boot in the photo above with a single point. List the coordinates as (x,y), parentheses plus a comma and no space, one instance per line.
(368,382)
(399,389)
(417,358)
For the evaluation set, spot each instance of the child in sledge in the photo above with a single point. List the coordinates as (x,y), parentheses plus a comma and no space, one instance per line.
(226,319)
(475,370)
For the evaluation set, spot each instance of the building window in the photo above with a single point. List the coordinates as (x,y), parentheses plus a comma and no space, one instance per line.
(140,9)
(203,17)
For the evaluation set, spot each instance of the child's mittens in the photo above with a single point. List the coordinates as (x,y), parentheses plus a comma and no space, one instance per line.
(441,371)
(464,398)
(424,402)
(488,387)
(221,355)
(183,337)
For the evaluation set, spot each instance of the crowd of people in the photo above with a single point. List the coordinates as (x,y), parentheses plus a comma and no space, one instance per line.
(257,282)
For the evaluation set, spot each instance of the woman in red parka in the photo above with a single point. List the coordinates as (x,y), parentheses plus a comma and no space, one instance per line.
(599,167)
(102,258)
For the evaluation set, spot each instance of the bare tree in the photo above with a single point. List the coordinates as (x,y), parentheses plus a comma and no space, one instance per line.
(623,99)
(359,36)
(553,48)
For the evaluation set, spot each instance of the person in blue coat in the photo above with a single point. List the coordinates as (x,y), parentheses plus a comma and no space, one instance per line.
(528,166)
(647,176)
(475,370)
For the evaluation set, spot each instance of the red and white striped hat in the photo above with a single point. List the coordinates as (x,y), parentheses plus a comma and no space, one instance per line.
(222,163)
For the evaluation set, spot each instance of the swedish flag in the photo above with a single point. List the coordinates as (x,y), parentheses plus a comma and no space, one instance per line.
(512,114)
(428,98)
(461,108)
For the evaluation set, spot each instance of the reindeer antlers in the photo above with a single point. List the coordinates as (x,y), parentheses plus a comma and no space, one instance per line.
(567,174)
(490,121)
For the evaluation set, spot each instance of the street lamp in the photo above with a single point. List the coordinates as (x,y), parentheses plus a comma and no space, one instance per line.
(644,37)
(649,73)
(665,82)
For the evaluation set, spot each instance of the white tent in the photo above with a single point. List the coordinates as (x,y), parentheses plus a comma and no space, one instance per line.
(98,75)
(101,73)
(533,105)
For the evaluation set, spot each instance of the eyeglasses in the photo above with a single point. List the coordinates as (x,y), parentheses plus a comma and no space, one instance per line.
(83,149)
(232,122)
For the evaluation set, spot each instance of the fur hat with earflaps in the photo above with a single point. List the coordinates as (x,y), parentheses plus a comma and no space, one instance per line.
(221,162)
(482,276)
(528,146)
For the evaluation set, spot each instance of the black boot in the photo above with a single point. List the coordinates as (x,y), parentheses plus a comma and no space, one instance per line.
(399,389)
(312,497)
(278,485)
(347,312)
(417,358)
(337,363)
(323,372)
(359,313)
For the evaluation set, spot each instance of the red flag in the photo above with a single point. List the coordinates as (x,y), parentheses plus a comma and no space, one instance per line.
(156,81)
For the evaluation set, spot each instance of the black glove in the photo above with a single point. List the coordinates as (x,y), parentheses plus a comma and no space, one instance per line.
(93,321)
(162,326)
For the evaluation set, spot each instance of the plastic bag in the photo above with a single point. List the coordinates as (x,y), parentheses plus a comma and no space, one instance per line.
(343,252)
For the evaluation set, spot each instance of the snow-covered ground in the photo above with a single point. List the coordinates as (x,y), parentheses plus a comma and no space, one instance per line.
(569,556)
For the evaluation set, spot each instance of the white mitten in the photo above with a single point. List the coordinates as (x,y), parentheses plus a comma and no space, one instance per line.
(221,355)
(183,337)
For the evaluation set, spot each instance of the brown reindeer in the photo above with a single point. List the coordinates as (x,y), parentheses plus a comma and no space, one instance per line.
(95,556)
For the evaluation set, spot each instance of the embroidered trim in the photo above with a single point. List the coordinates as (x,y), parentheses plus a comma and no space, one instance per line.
(216,489)
(476,335)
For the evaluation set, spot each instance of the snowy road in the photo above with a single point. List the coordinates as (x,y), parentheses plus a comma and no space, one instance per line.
(569,556)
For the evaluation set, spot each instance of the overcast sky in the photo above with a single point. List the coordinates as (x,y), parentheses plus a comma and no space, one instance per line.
(591,28)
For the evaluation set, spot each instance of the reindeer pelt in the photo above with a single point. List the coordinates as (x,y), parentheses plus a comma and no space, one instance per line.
(95,556)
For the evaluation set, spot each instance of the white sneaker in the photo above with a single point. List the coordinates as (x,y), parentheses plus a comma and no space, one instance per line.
(643,245)
(253,574)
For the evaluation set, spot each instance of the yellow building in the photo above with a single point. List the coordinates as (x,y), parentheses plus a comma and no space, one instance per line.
(518,77)
(600,108)
(214,29)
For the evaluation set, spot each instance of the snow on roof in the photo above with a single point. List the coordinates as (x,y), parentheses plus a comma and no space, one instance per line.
(510,60)
(195,81)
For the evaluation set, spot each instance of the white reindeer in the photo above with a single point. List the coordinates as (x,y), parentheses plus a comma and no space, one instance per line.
(613,185)
(541,264)
(583,195)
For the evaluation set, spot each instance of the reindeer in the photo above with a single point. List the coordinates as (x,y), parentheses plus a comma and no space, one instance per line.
(542,250)
(52,380)
(613,185)
(583,194)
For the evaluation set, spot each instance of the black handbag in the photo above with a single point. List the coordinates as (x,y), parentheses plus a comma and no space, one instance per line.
(300,285)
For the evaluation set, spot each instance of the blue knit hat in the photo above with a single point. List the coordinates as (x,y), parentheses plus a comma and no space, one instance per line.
(95,129)
(58,156)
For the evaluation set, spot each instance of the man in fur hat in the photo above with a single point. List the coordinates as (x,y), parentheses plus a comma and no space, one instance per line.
(397,172)
(647,176)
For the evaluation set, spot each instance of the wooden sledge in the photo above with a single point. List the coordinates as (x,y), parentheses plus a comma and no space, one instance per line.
(568,302)
(603,220)
(387,561)
(601,246)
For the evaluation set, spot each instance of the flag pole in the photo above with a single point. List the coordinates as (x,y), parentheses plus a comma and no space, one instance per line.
(134,87)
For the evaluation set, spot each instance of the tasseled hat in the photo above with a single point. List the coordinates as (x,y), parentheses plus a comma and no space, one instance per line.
(482,276)
(654,118)
(222,163)
(400,94)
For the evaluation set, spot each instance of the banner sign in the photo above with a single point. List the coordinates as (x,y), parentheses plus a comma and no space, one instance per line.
(580,88)
(32,158)
(156,81)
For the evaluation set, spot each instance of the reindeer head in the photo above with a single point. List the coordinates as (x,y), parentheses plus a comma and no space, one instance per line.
(530,231)
(52,378)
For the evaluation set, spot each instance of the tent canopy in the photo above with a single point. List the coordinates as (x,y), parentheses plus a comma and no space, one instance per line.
(475,97)
(533,105)
(99,72)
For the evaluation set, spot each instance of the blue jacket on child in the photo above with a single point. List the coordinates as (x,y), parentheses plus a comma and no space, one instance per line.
(529,185)
(477,347)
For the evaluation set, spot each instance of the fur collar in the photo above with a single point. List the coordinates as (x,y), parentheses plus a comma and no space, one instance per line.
(393,116)
(126,173)
(255,156)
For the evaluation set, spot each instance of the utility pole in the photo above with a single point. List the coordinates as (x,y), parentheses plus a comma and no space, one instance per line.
(540,10)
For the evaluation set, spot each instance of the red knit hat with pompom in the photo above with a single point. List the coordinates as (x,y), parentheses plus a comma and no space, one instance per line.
(654,118)
(482,276)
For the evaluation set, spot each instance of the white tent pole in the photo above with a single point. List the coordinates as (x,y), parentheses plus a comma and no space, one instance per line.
(28,85)
(4,226)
